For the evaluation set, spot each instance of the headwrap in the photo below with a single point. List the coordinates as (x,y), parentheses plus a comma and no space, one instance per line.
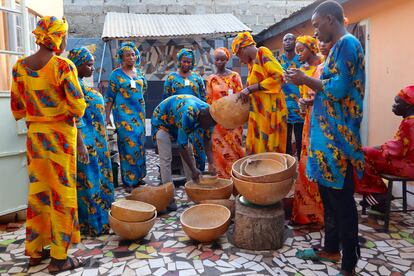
(186,53)
(407,94)
(50,31)
(310,42)
(80,55)
(223,50)
(129,45)
(242,40)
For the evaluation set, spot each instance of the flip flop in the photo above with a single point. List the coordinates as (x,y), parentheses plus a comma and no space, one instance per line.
(311,254)
(36,261)
(60,265)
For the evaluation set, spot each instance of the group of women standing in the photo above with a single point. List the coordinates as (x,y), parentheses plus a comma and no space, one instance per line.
(267,119)
(71,182)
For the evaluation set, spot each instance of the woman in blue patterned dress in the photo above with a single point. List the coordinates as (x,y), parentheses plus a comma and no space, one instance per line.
(125,97)
(184,81)
(94,172)
(187,82)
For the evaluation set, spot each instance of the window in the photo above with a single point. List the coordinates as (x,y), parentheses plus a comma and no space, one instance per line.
(12,39)
(32,25)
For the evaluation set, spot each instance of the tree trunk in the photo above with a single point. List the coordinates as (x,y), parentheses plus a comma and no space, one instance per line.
(259,228)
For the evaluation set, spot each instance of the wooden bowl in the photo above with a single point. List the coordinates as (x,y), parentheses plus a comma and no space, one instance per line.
(263,193)
(219,189)
(222,108)
(243,167)
(262,167)
(205,222)
(290,172)
(131,230)
(228,203)
(159,196)
(132,210)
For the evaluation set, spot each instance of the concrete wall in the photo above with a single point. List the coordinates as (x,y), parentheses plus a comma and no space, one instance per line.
(86,18)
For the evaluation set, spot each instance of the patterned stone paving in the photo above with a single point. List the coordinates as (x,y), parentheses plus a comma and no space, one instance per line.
(166,250)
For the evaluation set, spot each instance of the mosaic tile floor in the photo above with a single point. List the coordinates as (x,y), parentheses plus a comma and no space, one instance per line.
(166,250)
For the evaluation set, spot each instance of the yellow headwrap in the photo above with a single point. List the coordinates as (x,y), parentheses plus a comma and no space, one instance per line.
(310,42)
(242,40)
(49,32)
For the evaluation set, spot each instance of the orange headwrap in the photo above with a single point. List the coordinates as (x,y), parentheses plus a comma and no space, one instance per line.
(242,40)
(50,32)
(223,50)
(310,42)
(407,94)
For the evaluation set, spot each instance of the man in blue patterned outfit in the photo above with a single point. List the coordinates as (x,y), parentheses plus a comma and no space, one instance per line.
(335,149)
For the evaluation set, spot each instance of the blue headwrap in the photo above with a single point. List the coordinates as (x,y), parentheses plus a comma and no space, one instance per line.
(80,55)
(186,53)
(129,45)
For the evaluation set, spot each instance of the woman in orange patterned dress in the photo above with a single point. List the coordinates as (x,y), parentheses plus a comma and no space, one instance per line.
(46,93)
(267,126)
(307,202)
(227,144)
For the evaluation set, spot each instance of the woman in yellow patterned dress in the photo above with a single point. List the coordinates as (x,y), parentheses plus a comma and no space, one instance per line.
(307,202)
(227,144)
(267,127)
(46,92)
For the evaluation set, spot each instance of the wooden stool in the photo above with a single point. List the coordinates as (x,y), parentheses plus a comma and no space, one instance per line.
(258,227)
(391,179)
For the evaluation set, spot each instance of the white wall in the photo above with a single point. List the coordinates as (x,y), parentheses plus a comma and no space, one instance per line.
(46,7)
(13,164)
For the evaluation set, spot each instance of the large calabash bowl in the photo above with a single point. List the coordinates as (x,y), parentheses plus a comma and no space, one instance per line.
(263,193)
(211,189)
(205,222)
(131,230)
(132,210)
(230,112)
(158,196)
(290,172)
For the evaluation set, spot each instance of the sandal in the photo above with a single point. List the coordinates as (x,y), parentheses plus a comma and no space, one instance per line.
(314,255)
(37,261)
(63,265)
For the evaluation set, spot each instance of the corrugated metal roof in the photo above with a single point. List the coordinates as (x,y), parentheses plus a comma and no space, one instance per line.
(147,26)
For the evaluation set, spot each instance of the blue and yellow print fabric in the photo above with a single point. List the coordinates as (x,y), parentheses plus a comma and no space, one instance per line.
(129,116)
(337,114)
(94,180)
